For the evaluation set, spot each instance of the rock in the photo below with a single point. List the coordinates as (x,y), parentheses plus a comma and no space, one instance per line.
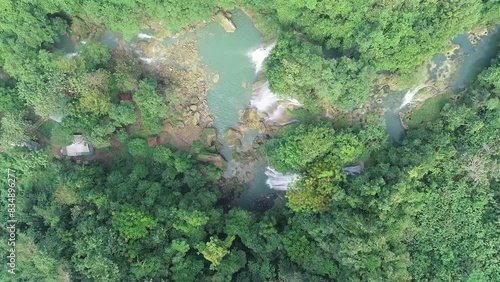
(218,145)
(209,137)
(225,22)
(208,119)
(215,78)
(233,137)
(193,119)
(249,175)
(215,159)
(250,119)
(194,100)
(193,108)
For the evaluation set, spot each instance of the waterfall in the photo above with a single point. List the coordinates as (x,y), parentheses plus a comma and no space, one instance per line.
(259,55)
(352,170)
(146,60)
(279,181)
(267,102)
(410,94)
(144,36)
(263,99)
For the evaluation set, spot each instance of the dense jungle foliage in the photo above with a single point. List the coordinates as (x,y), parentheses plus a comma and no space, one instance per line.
(424,210)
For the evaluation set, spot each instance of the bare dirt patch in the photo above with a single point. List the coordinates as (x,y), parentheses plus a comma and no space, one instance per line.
(180,137)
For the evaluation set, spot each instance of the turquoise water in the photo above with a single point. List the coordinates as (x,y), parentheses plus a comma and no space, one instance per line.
(394,128)
(475,57)
(472,60)
(227,55)
(257,188)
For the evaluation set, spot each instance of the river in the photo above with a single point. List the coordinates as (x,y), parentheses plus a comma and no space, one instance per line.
(226,54)
(471,58)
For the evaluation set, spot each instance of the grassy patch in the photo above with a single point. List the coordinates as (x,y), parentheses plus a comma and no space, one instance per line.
(428,111)
(46,128)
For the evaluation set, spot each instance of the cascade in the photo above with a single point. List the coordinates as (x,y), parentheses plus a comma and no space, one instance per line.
(146,60)
(144,36)
(267,102)
(279,181)
(410,94)
(259,55)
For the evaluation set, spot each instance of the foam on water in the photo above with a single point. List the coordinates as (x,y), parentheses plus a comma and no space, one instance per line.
(146,60)
(410,94)
(267,102)
(259,55)
(264,100)
(144,36)
(279,181)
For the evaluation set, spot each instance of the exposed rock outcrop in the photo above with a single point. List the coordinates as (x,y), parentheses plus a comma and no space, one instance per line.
(250,119)
(225,21)
(215,159)
(233,137)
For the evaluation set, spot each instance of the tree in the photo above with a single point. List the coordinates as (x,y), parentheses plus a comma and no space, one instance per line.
(138,147)
(126,75)
(95,92)
(152,106)
(61,136)
(300,145)
(10,100)
(123,113)
(297,68)
(384,35)
(94,55)
(317,187)
(15,130)
(215,250)
(132,223)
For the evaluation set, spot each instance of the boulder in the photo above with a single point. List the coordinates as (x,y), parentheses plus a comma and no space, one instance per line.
(194,100)
(215,159)
(193,119)
(249,175)
(193,108)
(218,145)
(233,137)
(215,78)
(250,119)
(225,22)
(209,137)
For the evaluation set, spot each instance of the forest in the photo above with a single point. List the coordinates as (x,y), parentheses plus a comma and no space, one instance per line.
(426,209)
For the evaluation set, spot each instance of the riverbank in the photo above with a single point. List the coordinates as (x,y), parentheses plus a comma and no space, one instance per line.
(227,88)
(440,79)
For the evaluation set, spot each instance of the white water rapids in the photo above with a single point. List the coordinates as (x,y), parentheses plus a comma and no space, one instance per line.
(279,181)
(408,98)
(263,99)
(146,60)
(259,55)
(144,36)
(267,102)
